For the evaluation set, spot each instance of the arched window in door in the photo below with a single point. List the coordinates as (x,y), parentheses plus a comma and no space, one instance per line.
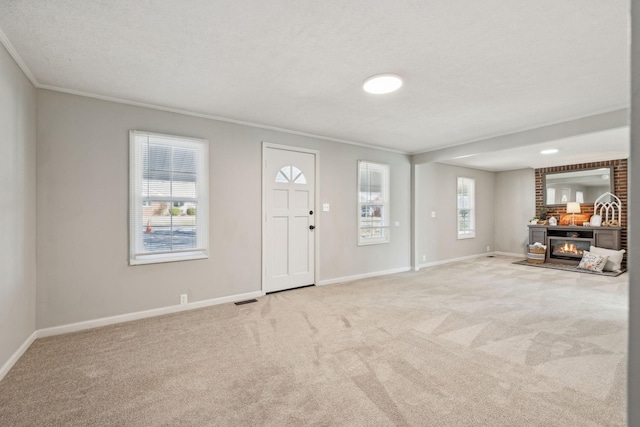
(291,174)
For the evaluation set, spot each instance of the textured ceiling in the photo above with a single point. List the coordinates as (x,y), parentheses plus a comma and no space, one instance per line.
(473,69)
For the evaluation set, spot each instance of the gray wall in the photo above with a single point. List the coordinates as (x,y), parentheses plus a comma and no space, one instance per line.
(83,198)
(17,217)
(436,185)
(633,256)
(515,198)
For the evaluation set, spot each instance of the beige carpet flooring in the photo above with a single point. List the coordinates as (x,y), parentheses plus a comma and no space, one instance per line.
(575,268)
(477,343)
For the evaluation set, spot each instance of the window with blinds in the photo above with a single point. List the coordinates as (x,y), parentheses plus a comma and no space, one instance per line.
(466,208)
(168,179)
(373,203)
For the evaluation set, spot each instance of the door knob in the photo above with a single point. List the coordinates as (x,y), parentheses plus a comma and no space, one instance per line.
(312,227)
(310,212)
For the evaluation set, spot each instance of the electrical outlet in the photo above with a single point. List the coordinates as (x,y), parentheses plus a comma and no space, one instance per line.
(183,299)
(424,258)
(488,248)
(433,214)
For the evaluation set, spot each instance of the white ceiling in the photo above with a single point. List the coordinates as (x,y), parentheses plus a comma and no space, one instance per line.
(473,69)
(598,146)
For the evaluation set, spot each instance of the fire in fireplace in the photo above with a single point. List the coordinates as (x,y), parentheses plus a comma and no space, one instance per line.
(567,247)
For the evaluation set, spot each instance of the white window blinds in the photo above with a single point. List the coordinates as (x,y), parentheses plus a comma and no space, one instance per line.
(373,203)
(466,208)
(167,198)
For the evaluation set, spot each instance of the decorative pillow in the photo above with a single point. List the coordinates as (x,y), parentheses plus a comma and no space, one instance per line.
(592,262)
(614,263)
(565,218)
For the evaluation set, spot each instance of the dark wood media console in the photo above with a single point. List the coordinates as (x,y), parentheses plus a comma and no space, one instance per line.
(566,243)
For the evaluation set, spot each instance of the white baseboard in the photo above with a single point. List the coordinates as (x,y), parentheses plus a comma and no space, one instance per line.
(363,276)
(104,321)
(17,355)
(90,324)
(450,260)
(512,254)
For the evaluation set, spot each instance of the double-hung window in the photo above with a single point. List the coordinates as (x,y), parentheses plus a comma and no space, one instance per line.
(168,206)
(373,203)
(466,208)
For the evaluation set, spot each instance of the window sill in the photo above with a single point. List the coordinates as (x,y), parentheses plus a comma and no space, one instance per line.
(466,236)
(374,242)
(157,259)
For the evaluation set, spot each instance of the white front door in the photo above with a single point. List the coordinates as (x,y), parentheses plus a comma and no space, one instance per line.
(289,219)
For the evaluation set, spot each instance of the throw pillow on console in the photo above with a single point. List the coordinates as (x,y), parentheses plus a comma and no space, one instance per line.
(592,262)
(578,219)
(614,263)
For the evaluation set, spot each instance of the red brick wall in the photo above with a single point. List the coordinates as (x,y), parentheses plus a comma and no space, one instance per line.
(619,185)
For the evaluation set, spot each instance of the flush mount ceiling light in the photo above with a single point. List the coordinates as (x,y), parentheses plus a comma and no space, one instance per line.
(382,83)
(549,151)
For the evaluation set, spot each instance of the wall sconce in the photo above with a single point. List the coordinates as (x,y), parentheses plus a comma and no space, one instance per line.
(573,208)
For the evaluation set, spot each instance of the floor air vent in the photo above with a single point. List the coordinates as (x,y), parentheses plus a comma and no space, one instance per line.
(249,301)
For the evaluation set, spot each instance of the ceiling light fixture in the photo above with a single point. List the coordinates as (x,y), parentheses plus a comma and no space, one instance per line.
(382,83)
(549,151)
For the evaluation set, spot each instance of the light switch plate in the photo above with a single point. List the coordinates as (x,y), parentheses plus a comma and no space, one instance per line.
(397,223)
(433,214)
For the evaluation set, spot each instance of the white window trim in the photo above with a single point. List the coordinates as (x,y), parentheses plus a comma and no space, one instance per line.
(472,202)
(386,224)
(135,194)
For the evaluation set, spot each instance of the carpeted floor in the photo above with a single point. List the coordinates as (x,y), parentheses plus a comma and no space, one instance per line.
(477,343)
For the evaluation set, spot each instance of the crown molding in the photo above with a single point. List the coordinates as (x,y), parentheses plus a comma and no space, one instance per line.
(27,72)
(212,117)
(16,57)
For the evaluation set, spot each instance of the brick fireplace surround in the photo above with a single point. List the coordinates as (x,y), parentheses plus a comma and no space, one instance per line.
(619,184)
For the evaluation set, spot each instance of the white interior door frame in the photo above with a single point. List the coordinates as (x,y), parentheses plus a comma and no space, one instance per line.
(316,203)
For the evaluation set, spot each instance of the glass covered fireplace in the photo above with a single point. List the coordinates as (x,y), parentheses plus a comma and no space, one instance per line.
(568,248)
